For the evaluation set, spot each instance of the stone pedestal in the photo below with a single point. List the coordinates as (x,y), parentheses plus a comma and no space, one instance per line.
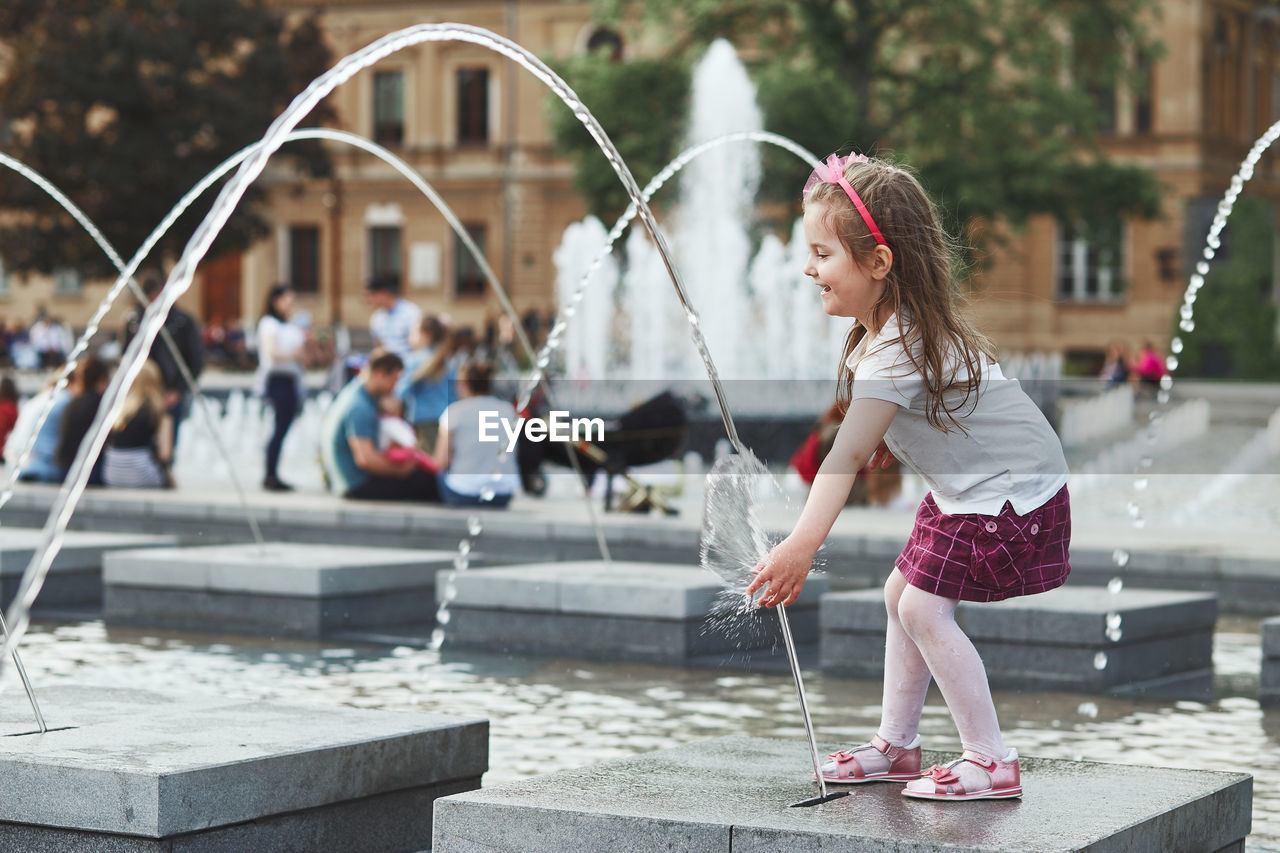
(280,589)
(75,577)
(732,794)
(127,771)
(1269,686)
(1057,640)
(614,611)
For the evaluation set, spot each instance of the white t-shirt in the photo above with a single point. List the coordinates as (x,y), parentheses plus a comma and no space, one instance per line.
(392,328)
(1010,453)
(475,464)
(395,432)
(285,337)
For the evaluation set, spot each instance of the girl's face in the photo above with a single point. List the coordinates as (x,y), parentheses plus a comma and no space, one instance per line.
(284,303)
(848,288)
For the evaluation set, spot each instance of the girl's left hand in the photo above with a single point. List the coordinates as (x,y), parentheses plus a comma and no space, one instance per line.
(784,570)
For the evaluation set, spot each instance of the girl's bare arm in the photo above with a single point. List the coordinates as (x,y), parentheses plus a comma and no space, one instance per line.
(859,437)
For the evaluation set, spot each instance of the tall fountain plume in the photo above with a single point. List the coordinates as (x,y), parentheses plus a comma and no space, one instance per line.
(759,312)
(717,203)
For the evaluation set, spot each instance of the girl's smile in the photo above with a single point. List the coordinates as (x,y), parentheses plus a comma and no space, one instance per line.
(847,288)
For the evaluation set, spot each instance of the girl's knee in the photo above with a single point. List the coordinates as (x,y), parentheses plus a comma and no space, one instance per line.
(893,589)
(920,612)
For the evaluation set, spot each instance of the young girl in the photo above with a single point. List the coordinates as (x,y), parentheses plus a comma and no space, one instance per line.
(920,382)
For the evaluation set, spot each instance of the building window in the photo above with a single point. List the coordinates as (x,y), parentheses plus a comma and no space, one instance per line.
(1104,102)
(67,281)
(473,106)
(1142,118)
(304,258)
(1089,262)
(467,278)
(384,253)
(388,107)
(4,279)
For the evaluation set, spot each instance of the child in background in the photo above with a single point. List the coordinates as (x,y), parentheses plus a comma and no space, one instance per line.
(918,381)
(396,438)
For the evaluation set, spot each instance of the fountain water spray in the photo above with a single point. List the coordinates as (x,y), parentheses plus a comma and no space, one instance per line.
(733,544)
(555,336)
(1187,324)
(204,184)
(82,344)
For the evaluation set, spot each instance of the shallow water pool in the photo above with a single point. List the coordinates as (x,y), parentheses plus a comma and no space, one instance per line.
(551,714)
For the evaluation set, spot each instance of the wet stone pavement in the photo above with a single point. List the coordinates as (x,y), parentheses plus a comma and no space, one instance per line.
(552,714)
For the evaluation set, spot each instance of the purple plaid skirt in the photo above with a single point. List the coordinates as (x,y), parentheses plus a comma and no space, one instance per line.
(974,557)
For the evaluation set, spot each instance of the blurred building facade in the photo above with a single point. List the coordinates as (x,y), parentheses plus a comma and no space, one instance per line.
(473,124)
(1215,90)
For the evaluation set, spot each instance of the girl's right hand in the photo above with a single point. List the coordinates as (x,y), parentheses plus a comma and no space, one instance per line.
(784,569)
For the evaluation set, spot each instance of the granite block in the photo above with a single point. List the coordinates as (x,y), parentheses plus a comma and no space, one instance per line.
(1068,615)
(624,589)
(1055,640)
(135,764)
(81,550)
(276,569)
(1271,637)
(664,801)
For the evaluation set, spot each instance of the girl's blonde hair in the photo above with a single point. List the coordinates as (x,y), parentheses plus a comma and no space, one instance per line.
(147,390)
(920,287)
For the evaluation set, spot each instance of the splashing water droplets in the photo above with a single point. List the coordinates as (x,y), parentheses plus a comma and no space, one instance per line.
(1115,585)
(474,525)
(1100,661)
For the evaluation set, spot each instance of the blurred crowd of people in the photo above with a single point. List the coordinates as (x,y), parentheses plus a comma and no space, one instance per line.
(406,426)
(139,448)
(1143,371)
(424,375)
(42,344)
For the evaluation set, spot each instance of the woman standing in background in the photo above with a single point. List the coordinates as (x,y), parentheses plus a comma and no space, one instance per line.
(281,350)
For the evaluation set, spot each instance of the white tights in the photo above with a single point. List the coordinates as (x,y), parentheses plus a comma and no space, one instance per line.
(923,638)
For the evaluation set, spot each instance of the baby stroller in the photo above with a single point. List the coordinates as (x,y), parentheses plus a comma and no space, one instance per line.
(651,432)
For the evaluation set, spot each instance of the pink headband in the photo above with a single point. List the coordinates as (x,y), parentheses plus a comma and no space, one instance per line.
(833,173)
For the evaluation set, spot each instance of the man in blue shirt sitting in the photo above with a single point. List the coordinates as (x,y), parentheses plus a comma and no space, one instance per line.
(349,441)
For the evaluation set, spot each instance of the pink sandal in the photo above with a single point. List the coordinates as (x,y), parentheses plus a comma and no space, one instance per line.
(904,763)
(1005,780)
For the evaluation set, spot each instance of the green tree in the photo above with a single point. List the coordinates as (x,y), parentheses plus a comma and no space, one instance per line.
(1235,311)
(125,104)
(641,105)
(995,103)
